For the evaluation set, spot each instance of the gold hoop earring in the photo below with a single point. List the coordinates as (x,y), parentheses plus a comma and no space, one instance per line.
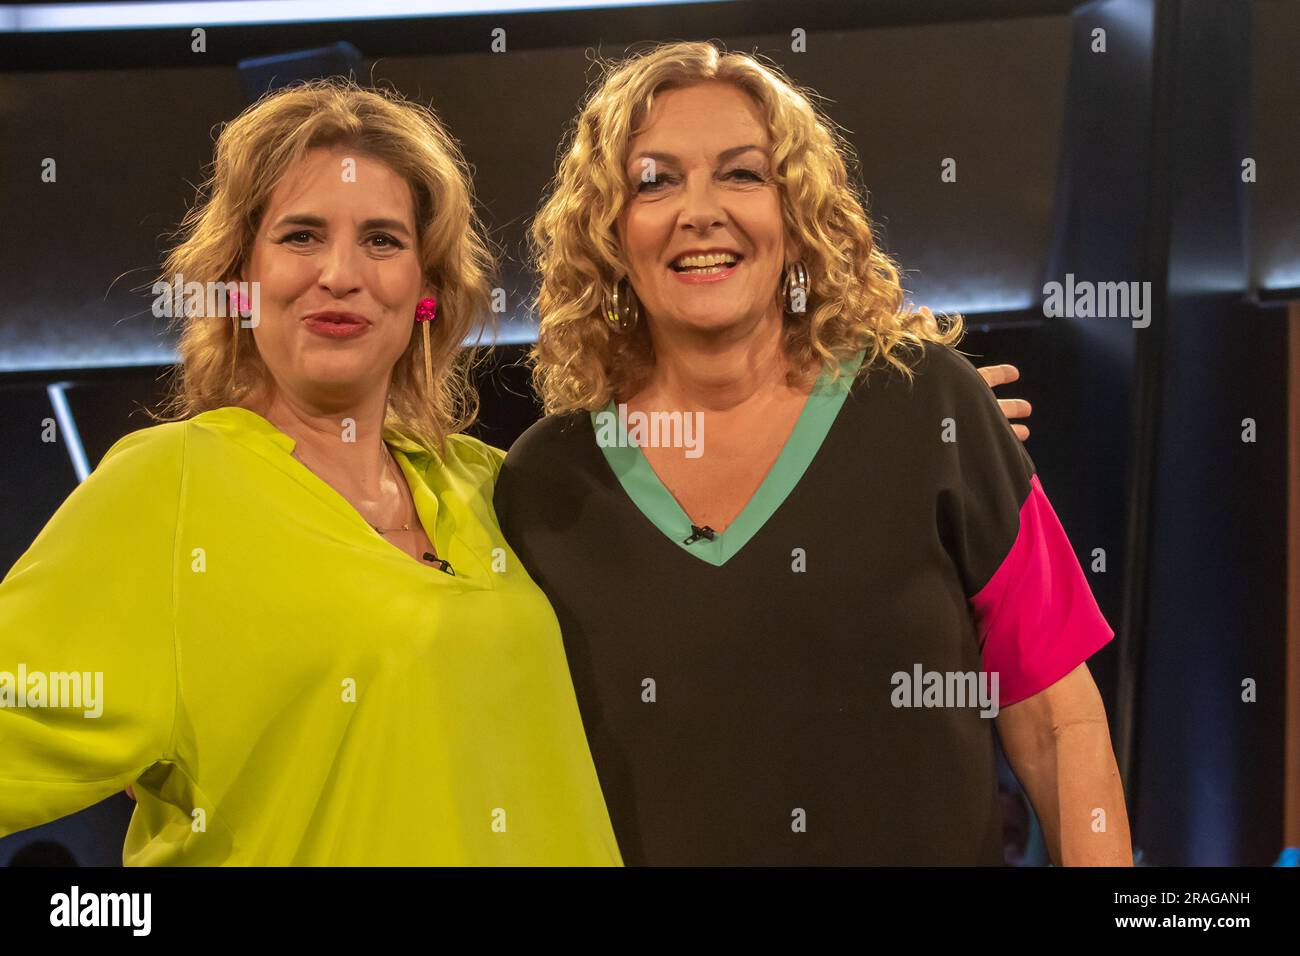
(795,289)
(621,308)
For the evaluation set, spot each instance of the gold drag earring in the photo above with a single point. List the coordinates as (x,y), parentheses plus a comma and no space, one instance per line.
(234,338)
(234,352)
(621,307)
(426,310)
(238,306)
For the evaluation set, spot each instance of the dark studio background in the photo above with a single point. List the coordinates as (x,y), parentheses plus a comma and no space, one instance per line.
(1122,166)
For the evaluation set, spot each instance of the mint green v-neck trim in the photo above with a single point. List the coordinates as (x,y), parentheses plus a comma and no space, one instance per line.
(657,503)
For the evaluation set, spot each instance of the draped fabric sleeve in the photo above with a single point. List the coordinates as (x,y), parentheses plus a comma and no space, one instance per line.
(88,683)
(1033,609)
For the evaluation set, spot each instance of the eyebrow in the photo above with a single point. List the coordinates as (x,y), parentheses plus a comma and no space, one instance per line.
(316,222)
(723,156)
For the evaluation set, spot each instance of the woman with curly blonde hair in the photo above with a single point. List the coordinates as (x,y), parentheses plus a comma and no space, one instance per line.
(295,627)
(797,554)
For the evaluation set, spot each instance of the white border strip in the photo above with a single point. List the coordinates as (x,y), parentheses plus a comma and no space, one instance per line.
(41,18)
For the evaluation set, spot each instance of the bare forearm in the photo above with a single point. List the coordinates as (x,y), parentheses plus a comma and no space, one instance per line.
(1076,791)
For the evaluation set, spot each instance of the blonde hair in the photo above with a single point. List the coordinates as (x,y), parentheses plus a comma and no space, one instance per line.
(855,301)
(220,364)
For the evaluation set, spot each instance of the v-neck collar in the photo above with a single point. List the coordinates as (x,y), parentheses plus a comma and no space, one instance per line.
(412,457)
(653,499)
(246,419)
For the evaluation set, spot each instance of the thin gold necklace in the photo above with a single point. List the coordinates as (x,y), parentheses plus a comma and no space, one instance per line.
(401,482)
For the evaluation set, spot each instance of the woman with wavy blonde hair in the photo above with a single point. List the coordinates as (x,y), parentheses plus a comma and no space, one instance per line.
(797,554)
(295,627)
(429,396)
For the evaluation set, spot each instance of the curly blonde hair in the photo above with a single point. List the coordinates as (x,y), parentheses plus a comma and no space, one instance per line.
(220,364)
(855,302)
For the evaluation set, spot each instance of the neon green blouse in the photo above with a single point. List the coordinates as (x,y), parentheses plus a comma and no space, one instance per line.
(280,683)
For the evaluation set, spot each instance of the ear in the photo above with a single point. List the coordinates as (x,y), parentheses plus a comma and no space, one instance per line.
(618,230)
(793,250)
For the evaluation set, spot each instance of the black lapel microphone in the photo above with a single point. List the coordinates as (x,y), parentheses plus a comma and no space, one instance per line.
(439,563)
(697,533)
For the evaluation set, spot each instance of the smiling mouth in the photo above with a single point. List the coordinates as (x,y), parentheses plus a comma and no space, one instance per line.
(704,264)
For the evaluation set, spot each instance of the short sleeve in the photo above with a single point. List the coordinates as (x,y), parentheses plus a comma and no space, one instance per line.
(87,653)
(1033,609)
(496,457)
(480,454)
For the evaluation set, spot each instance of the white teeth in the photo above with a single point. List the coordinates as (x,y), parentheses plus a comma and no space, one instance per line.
(706,261)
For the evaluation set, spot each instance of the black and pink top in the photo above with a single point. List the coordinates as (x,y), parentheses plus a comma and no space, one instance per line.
(815,683)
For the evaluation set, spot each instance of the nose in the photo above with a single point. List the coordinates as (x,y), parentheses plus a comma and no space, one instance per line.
(340,271)
(701,203)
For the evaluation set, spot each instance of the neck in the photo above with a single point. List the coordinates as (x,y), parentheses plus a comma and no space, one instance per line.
(356,453)
(716,371)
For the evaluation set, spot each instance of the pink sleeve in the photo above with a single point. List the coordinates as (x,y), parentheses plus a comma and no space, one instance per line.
(1037,618)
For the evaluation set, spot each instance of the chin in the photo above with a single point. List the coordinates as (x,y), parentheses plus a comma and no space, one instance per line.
(710,321)
(340,378)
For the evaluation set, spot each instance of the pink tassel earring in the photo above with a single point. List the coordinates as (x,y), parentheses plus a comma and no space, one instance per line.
(426,310)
